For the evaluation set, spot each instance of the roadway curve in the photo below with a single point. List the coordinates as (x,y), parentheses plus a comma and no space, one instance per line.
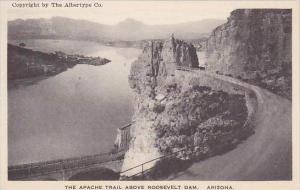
(266,155)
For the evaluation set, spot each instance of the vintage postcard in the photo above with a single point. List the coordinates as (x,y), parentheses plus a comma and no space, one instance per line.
(130,95)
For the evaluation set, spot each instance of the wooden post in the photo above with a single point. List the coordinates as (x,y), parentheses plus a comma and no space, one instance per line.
(63,175)
(142,171)
(29,171)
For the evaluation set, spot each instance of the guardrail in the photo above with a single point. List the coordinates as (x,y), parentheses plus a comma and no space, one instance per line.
(41,168)
(52,166)
(143,172)
(183,68)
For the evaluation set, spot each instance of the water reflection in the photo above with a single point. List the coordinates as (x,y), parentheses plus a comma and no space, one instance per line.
(73,113)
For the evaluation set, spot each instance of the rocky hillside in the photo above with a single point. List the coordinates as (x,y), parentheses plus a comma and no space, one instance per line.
(176,111)
(254,45)
(26,63)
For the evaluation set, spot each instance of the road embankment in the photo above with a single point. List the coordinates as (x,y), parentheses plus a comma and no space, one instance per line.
(266,155)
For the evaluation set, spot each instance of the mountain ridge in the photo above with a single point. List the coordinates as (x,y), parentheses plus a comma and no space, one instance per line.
(127,30)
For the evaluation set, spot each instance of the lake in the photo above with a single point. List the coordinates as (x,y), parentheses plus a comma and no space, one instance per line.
(74,113)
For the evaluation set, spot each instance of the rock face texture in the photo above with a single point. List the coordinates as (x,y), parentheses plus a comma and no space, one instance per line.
(158,61)
(254,45)
(176,111)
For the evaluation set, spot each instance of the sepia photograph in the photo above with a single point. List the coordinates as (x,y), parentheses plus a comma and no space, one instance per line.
(168,91)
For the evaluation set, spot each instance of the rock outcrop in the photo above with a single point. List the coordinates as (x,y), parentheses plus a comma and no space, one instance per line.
(159,60)
(176,111)
(254,45)
(148,74)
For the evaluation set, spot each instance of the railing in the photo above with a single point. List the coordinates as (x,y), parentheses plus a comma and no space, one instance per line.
(143,172)
(41,168)
(52,166)
(183,68)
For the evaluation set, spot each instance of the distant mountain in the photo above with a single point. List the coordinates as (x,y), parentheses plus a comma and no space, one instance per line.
(127,30)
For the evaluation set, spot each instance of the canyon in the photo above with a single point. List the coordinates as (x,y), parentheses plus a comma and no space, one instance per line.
(226,119)
(194,115)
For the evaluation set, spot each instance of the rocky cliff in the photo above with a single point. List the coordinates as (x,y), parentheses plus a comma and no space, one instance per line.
(174,110)
(254,45)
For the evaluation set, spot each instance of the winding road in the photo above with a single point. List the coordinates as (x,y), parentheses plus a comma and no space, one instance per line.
(266,155)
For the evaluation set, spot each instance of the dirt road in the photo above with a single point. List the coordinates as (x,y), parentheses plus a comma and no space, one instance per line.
(266,155)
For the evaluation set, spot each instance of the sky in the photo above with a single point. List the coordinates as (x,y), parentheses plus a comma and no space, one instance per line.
(165,12)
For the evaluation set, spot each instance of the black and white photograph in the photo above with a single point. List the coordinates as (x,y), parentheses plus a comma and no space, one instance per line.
(168,91)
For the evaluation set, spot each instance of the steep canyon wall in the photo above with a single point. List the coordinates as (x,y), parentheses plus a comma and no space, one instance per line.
(254,45)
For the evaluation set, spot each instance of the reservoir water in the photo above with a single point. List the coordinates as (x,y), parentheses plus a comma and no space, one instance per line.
(74,113)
